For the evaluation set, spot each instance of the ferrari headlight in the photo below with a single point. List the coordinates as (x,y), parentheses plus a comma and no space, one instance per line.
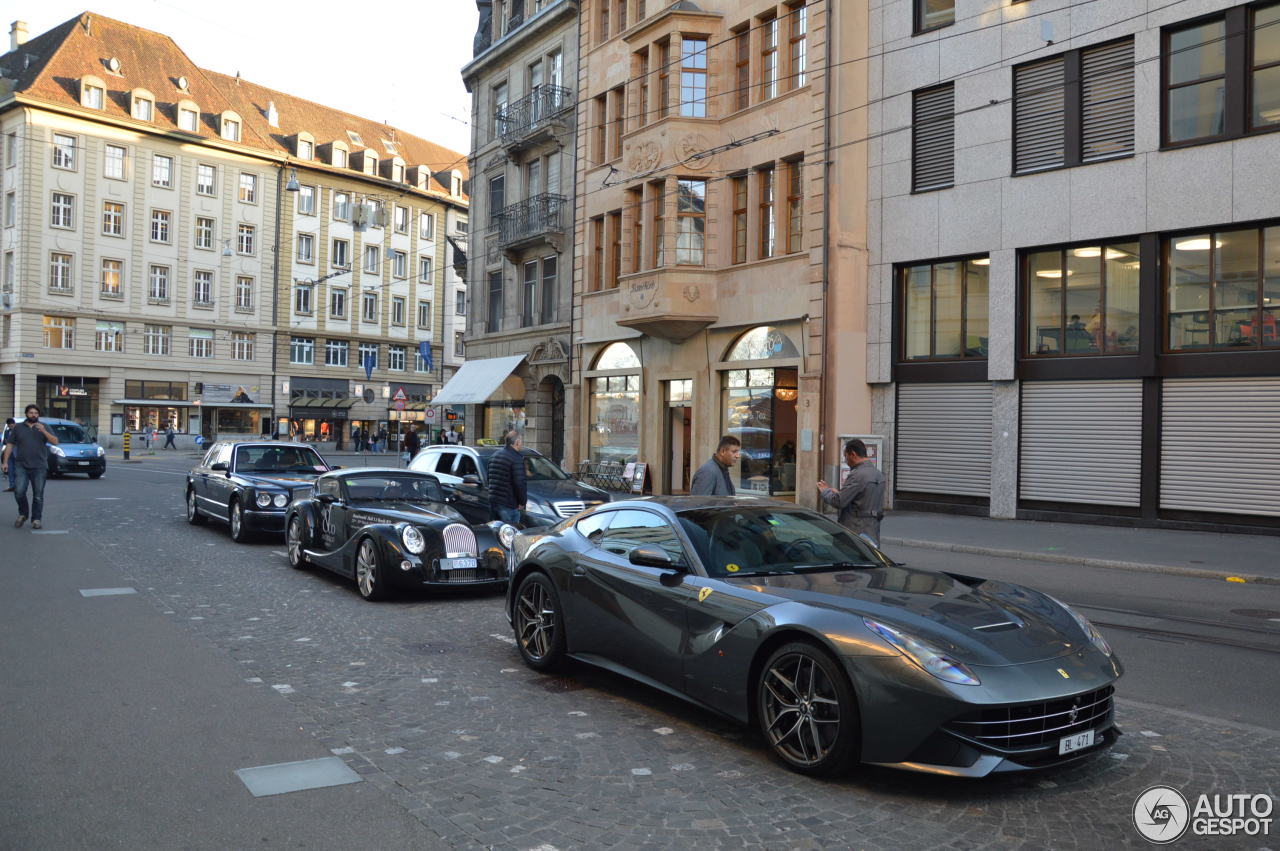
(1089,629)
(925,655)
(413,540)
(280,500)
(57,450)
(263,500)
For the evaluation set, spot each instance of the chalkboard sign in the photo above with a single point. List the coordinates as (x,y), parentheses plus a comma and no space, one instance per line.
(637,477)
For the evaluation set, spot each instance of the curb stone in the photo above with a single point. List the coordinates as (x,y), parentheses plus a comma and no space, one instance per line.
(1141,567)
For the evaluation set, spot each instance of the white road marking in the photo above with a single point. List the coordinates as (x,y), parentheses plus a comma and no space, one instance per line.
(682,766)
(430,680)
(105,592)
(341,751)
(350,684)
(1150,734)
(107,498)
(53,532)
(493,759)
(393,751)
(663,731)
(501,637)
(283,688)
(641,772)
(588,735)
(578,713)
(451,754)
(516,769)
(253,679)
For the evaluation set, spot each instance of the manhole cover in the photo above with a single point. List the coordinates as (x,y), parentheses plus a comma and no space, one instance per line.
(1262,614)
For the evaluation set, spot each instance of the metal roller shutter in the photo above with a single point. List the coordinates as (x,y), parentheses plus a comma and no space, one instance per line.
(944,439)
(1081,441)
(1220,445)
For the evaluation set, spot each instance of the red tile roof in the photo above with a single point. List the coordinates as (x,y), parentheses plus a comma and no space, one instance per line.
(50,66)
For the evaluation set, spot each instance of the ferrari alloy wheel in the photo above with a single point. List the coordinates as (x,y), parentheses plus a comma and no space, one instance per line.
(368,573)
(538,623)
(239,532)
(194,517)
(806,710)
(293,541)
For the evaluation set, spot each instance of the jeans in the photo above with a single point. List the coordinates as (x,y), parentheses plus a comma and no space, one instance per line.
(509,515)
(13,471)
(34,476)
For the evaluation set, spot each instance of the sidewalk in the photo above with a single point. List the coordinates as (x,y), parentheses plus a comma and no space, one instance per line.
(1249,558)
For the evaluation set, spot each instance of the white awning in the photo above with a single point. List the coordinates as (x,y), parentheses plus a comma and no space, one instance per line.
(475,382)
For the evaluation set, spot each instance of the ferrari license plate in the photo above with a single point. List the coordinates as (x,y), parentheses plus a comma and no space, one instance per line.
(1078,742)
(457,564)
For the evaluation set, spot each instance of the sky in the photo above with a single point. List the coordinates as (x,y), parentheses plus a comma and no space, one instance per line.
(400,64)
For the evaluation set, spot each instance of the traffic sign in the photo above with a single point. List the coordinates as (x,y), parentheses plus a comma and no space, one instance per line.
(431,413)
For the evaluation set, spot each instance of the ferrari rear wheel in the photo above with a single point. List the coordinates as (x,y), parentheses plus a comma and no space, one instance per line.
(806,710)
(294,543)
(369,575)
(539,624)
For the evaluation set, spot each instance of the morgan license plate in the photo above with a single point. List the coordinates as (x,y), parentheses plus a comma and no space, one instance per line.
(457,564)
(1078,742)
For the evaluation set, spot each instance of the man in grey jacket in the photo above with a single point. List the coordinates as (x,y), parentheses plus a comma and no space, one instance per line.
(712,478)
(860,499)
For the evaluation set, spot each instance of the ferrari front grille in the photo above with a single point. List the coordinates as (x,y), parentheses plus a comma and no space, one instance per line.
(1029,725)
(459,541)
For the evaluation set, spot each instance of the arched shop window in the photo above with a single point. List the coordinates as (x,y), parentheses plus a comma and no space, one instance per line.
(614,432)
(758,404)
(617,356)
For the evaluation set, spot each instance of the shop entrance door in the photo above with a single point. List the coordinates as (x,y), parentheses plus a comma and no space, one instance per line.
(679,435)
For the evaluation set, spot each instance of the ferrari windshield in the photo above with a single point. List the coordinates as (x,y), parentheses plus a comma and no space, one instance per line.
(398,487)
(760,540)
(278,459)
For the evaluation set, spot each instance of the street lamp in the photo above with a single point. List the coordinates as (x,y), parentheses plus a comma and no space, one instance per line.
(292,185)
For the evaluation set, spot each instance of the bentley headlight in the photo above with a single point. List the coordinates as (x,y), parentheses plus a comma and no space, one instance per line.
(413,540)
(925,655)
(1089,629)
(101,452)
(57,450)
(280,500)
(263,500)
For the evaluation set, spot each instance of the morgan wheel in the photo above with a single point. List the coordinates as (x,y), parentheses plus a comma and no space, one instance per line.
(295,544)
(369,574)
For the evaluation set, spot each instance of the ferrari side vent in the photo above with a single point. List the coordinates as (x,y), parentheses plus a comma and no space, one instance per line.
(459,541)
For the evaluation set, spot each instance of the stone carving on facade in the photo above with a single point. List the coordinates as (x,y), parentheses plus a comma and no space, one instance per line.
(550,357)
(644,156)
(689,151)
(692,293)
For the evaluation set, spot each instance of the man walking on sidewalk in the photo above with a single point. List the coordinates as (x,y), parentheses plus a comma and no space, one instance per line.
(169,434)
(712,478)
(8,426)
(27,447)
(412,443)
(860,499)
(507,493)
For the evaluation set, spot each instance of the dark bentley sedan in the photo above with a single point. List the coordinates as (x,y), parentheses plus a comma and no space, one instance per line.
(391,528)
(777,617)
(249,485)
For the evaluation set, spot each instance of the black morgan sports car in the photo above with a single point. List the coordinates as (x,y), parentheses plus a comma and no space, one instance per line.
(389,528)
(773,615)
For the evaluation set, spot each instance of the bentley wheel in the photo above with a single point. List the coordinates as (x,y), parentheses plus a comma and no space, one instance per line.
(293,540)
(369,576)
(239,532)
(194,517)
(539,624)
(806,710)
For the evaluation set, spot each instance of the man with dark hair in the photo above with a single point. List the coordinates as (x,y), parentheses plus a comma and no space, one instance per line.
(27,448)
(712,478)
(412,443)
(860,499)
(507,491)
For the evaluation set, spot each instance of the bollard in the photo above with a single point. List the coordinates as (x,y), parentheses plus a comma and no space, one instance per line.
(127,436)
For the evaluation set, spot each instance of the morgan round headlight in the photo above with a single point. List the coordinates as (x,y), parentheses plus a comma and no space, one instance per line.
(280,500)
(1086,626)
(412,539)
(263,500)
(507,535)
(924,654)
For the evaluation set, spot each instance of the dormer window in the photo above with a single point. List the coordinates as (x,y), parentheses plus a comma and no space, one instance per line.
(370,163)
(334,153)
(142,106)
(188,116)
(455,182)
(93,93)
(306,149)
(231,127)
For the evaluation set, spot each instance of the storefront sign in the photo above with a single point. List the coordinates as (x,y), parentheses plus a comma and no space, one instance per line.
(642,293)
(212,394)
(64,390)
(637,476)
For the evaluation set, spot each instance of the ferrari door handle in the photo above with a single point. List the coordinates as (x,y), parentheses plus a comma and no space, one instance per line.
(579,570)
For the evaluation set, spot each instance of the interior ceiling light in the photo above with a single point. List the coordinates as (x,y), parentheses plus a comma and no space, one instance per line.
(1050,273)
(1197,243)
(981,261)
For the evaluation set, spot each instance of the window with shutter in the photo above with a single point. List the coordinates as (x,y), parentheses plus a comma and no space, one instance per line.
(1106,102)
(933,123)
(1039,115)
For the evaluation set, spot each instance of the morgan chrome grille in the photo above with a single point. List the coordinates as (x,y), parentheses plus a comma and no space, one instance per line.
(459,541)
(1030,725)
(466,575)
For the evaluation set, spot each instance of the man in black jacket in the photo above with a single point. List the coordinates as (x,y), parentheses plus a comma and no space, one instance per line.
(507,494)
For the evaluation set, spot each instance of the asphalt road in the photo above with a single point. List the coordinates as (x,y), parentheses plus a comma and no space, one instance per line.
(126,716)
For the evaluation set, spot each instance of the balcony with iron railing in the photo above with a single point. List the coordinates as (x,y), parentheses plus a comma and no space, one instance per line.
(532,221)
(534,117)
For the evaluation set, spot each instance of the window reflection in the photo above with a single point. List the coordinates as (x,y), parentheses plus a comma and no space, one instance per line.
(1083,300)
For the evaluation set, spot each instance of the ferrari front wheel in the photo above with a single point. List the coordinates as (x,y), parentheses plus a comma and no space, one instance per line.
(806,710)
(539,623)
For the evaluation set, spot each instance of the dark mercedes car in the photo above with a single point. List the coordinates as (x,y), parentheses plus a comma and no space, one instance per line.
(775,616)
(249,485)
(391,528)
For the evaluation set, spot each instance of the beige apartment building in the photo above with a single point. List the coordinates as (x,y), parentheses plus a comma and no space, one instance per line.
(720,283)
(153,221)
